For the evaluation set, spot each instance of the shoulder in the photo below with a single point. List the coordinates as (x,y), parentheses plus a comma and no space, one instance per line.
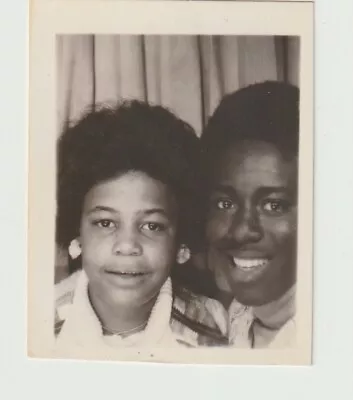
(64,294)
(191,315)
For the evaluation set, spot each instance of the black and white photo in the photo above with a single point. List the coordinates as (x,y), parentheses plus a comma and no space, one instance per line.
(178,195)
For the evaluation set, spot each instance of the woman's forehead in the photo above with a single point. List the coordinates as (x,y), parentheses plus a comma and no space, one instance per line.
(255,160)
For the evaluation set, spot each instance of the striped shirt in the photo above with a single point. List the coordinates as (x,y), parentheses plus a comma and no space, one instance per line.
(178,318)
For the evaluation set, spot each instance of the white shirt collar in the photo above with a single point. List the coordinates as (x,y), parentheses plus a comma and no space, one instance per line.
(273,315)
(82,328)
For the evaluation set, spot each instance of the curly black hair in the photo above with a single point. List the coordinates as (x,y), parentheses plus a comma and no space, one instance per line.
(267,111)
(132,135)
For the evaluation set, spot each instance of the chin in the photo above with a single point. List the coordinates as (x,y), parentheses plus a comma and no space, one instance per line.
(252,297)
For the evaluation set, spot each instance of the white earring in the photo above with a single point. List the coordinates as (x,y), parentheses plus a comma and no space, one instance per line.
(74,249)
(183,254)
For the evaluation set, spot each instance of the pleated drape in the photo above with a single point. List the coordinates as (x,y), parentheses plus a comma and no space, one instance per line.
(188,74)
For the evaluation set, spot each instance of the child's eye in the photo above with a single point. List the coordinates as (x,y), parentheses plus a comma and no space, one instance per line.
(153,227)
(105,223)
(276,206)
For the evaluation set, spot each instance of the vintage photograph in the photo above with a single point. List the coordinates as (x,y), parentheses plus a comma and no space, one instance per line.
(177,194)
(177,190)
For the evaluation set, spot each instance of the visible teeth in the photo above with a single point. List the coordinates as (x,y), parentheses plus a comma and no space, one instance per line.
(249,263)
(130,273)
(126,273)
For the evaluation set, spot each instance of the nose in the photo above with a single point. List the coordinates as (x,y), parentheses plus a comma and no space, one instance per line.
(126,243)
(246,227)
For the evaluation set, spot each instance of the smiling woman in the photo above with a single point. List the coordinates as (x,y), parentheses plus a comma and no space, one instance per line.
(251,154)
(252,221)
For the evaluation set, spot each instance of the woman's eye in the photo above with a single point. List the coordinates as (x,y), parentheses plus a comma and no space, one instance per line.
(224,204)
(276,206)
(153,227)
(105,223)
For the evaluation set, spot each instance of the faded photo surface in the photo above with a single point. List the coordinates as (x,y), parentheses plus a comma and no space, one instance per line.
(176,194)
(129,189)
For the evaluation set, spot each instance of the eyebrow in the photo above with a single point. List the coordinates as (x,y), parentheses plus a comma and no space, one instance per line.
(230,191)
(274,189)
(155,211)
(113,210)
(101,208)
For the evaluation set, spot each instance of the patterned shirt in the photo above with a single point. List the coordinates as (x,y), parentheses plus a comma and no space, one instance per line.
(178,318)
(269,326)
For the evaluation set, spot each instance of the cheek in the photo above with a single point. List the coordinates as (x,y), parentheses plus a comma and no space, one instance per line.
(94,250)
(161,254)
(217,226)
(282,234)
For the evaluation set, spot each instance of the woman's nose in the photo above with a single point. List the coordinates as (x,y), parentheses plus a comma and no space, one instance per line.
(126,244)
(246,227)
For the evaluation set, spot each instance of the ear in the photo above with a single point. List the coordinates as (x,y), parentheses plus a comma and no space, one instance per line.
(75,248)
(183,254)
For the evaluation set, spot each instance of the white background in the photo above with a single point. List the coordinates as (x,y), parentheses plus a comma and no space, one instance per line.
(331,374)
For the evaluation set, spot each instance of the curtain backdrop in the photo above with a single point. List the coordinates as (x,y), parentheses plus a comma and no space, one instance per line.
(187,74)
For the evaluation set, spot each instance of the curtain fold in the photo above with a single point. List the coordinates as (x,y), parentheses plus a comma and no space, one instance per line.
(188,74)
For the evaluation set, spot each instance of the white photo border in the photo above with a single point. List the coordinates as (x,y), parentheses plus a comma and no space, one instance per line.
(333,348)
(59,17)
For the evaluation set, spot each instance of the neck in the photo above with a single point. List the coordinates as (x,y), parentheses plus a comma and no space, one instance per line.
(116,318)
(225,298)
(278,312)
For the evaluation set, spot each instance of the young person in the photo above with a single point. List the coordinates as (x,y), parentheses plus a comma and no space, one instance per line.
(127,210)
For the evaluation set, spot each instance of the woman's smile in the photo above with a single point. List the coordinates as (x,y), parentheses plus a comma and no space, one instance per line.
(247,270)
(251,227)
(247,264)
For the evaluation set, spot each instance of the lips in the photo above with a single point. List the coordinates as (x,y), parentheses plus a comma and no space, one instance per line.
(127,274)
(125,279)
(248,264)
